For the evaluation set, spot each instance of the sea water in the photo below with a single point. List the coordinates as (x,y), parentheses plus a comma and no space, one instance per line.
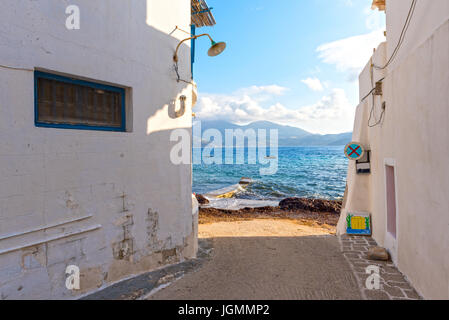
(309,172)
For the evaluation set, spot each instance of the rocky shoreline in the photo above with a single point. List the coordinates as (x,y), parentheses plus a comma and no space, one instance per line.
(312,205)
(318,211)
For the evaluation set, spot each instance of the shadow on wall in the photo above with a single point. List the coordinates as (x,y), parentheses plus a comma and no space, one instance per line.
(164,106)
(167,23)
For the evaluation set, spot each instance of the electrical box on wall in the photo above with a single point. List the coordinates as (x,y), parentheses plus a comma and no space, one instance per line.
(363,165)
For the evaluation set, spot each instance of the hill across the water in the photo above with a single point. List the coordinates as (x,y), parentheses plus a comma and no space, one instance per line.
(288,136)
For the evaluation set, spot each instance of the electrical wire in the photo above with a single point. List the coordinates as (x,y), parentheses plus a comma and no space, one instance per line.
(390,60)
(371,91)
(401,37)
(178,76)
(372,114)
(15,68)
(373,103)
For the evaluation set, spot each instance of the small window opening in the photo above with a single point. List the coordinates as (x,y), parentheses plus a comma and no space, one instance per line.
(63,102)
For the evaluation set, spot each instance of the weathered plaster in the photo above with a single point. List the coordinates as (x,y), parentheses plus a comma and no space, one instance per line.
(56,177)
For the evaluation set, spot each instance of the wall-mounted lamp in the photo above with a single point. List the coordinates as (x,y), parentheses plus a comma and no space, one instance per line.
(215,49)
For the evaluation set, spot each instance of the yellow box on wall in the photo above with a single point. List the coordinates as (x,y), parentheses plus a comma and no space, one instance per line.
(358,224)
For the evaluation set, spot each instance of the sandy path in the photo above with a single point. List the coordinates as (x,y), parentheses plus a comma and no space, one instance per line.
(267,259)
(260,228)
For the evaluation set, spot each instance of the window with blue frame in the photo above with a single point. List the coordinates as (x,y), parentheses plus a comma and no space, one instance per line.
(63,102)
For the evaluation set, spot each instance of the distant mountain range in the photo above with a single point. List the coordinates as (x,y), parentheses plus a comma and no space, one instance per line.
(287,135)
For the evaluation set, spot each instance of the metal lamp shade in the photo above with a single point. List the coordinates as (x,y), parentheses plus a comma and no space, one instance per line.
(216,49)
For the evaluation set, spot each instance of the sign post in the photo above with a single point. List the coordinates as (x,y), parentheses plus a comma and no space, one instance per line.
(354,151)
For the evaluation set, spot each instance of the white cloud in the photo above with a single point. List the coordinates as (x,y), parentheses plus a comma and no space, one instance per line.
(314,84)
(351,54)
(375,19)
(331,114)
(258,90)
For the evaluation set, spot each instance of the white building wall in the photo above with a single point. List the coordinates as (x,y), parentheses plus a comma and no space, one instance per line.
(414,136)
(429,15)
(122,183)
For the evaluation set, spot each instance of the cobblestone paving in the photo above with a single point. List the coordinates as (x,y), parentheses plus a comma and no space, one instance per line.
(393,285)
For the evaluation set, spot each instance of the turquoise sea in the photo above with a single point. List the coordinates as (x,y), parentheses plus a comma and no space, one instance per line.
(311,172)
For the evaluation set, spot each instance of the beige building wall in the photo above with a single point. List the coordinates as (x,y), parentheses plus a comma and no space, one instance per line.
(414,137)
(111,203)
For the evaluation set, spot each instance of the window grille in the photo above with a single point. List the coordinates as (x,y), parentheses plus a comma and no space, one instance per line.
(63,102)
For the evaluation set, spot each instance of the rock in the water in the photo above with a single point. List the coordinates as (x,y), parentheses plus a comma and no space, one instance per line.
(378,253)
(201,199)
(245,181)
(312,205)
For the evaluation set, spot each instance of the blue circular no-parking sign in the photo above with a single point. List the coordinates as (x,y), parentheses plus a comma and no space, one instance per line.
(354,151)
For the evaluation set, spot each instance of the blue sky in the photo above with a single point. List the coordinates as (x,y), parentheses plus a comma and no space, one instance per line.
(290,61)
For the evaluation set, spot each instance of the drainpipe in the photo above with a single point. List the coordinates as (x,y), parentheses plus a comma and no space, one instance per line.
(192,48)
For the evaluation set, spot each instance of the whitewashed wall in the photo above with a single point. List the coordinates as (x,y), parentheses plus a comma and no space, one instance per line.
(415,135)
(122,183)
